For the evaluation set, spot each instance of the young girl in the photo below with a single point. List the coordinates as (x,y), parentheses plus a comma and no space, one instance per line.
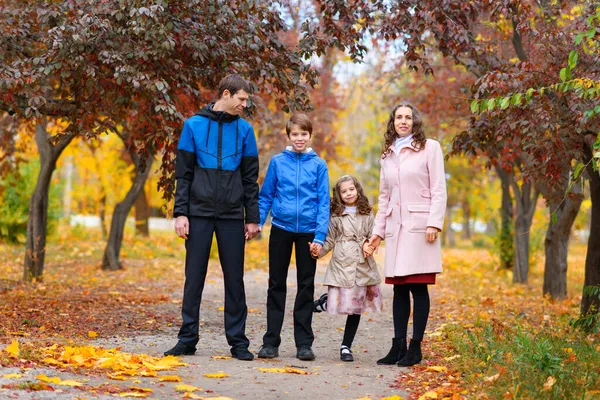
(352,275)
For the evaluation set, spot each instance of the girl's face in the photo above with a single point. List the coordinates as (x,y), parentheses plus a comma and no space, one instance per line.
(403,121)
(299,139)
(348,193)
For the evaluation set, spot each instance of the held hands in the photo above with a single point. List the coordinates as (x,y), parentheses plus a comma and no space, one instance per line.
(371,246)
(251,230)
(315,249)
(431,234)
(182,226)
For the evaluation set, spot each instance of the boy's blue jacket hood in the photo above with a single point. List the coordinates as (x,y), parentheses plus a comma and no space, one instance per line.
(296,192)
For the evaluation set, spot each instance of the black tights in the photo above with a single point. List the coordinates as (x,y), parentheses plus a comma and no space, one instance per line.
(350,331)
(402,309)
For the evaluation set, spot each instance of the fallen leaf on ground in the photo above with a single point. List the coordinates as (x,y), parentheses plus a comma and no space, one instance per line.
(286,370)
(217,375)
(170,378)
(13,349)
(92,334)
(133,394)
(186,388)
(437,368)
(394,397)
(56,380)
(492,378)
(429,395)
(221,357)
(140,389)
(191,396)
(9,376)
(549,383)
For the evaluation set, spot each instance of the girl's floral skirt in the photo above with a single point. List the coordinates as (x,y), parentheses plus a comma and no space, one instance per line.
(354,300)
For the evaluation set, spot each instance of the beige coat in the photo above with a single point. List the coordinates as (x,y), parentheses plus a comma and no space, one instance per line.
(348,267)
(412,196)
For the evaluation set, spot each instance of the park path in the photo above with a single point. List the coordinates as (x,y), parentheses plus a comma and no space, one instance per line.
(329,377)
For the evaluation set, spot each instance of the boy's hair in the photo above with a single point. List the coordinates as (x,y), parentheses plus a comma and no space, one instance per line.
(302,121)
(233,83)
(337,204)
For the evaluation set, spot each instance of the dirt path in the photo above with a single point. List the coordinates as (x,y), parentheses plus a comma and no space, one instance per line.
(329,377)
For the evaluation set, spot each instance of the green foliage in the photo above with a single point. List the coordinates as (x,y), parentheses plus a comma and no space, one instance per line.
(522,360)
(18,187)
(590,322)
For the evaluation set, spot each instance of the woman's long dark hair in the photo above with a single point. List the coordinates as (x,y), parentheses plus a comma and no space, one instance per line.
(390,135)
(337,204)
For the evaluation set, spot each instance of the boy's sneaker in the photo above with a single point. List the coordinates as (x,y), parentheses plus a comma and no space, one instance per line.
(268,351)
(346,354)
(305,353)
(320,305)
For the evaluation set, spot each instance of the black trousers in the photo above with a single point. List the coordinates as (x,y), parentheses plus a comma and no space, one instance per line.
(230,242)
(401,310)
(280,254)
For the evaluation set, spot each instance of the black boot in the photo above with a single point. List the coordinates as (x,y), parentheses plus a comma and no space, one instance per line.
(413,355)
(397,351)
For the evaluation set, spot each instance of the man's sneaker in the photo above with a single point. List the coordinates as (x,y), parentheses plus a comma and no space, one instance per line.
(268,351)
(320,304)
(305,353)
(242,353)
(181,349)
(346,354)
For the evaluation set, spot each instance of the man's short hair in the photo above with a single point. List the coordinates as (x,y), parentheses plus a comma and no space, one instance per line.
(302,121)
(234,83)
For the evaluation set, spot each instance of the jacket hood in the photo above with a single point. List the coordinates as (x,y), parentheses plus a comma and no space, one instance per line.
(219,116)
(305,155)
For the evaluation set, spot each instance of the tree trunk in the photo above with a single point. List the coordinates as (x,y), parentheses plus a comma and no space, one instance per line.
(525,198)
(67,196)
(142,212)
(38,204)
(592,259)
(506,245)
(449,230)
(466,208)
(556,243)
(117,227)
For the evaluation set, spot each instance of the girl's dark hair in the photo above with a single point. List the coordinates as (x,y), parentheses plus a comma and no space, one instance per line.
(337,204)
(390,135)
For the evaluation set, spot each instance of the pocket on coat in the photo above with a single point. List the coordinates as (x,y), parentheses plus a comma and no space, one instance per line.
(418,217)
(390,225)
(426,193)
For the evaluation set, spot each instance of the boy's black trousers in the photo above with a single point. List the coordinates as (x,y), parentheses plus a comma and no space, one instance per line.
(230,243)
(280,253)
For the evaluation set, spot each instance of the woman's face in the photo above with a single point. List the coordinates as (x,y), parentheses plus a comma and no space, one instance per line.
(403,121)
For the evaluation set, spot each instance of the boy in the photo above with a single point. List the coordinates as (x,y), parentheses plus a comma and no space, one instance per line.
(296,191)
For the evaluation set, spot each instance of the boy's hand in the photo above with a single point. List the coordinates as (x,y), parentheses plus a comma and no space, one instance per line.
(251,230)
(315,249)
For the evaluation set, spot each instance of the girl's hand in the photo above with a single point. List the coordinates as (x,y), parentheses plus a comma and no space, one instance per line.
(431,234)
(368,250)
(315,249)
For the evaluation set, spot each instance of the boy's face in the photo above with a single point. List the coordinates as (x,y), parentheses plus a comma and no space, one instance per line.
(299,139)
(348,193)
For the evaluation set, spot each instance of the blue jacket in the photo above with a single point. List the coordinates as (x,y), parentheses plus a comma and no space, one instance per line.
(217,167)
(296,191)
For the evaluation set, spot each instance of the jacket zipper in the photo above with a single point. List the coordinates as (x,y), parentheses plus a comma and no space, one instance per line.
(298,193)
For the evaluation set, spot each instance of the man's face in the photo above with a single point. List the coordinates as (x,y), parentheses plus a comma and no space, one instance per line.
(299,139)
(235,104)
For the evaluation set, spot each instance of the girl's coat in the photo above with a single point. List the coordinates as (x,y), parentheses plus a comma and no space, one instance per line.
(347,266)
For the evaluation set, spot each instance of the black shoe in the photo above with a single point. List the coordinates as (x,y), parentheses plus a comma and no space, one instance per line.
(181,349)
(242,353)
(268,351)
(320,304)
(413,355)
(397,351)
(305,353)
(346,354)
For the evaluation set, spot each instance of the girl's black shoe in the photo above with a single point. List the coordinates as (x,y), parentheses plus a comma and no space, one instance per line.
(320,304)
(346,354)
(397,351)
(413,355)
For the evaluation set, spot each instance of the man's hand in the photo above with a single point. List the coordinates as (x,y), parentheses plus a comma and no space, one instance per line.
(315,249)
(182,226)
(251,230)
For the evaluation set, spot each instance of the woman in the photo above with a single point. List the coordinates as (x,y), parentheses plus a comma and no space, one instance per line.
(412,204)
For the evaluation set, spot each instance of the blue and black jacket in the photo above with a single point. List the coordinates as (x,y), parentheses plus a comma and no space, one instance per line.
(217,167)
(296,191)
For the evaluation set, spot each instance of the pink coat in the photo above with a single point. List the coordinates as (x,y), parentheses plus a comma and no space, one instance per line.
(412,196)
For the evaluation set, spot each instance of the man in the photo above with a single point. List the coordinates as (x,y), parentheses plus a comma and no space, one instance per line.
(216,170)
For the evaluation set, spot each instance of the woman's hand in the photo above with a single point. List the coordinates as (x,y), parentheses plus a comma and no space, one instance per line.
(367,249)
(431,234)
(374,241)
